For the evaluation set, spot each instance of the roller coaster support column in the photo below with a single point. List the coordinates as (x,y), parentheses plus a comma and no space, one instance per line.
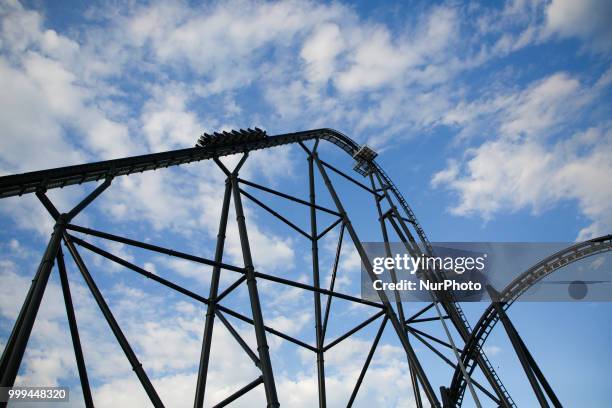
(212,306)
(258,323)
(397,325)
(532,370)
(316,283)
(398,301)
(18,340)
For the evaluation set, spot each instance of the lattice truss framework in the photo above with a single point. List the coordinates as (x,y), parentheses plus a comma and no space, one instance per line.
(395,220)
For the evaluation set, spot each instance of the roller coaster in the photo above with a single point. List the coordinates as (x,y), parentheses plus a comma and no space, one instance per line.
(395,218)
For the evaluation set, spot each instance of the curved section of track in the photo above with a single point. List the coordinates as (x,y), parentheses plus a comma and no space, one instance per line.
(511,292)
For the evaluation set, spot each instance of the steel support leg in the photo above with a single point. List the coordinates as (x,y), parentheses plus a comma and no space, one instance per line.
(397,325)
(260,334)
(74,331)
(211,308)
(16,345)
(516,341)
(398,300)
(445,397)
(549,391)
(317,285)
(18,340)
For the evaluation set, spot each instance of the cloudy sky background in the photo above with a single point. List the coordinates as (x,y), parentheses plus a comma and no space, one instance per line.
(493,120)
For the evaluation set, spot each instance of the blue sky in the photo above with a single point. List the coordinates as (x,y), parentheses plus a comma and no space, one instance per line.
(492,119)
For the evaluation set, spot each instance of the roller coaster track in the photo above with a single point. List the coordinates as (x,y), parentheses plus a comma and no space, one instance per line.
(512,292)
(41,181)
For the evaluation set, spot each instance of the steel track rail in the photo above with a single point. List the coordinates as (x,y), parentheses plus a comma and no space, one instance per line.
(30,182)
(512,292)
(26,183)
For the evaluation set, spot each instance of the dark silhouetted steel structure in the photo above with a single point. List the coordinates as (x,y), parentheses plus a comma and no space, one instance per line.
(394,214)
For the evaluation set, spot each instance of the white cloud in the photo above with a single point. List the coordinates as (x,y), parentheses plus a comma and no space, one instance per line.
(321,50)
(118,249)
(506,175)
(31,128)
(219,41)
(377,60)
(536,111)
(166,121)
(533,162)
(543,105)
(200,274)
(590,20)
(45,99)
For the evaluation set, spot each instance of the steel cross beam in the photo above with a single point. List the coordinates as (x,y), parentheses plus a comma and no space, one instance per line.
(16,345)
(366,364)
(451,308)
(25,183)
(333,279)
